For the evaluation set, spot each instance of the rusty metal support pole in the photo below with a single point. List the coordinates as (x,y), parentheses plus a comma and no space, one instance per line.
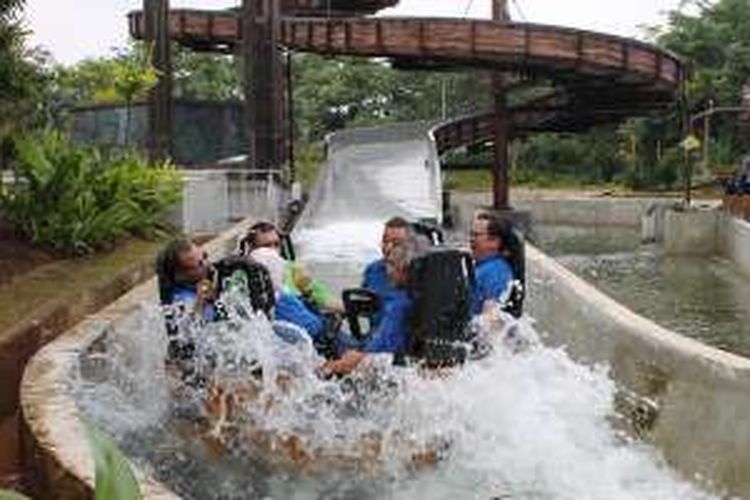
(264,83)
(249,14)
(500,184)
(501,126)
(290,117)
(159,141)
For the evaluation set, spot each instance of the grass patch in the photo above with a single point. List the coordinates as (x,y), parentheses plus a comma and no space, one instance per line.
(66,279)
(476,179)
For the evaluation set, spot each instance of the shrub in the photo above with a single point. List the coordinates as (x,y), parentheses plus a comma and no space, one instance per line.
(77,200)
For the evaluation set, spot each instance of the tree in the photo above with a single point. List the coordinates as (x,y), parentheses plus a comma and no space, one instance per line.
(122,78)
(200,75)
(21,80)
(716,42)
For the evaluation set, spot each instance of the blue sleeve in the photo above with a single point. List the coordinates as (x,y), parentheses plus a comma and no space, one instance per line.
(498,282)
(184,296)
(491,284)
(369,278)
(391,335)
(290,308)
(187,297)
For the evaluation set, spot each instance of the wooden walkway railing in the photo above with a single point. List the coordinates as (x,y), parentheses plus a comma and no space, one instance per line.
(738,205)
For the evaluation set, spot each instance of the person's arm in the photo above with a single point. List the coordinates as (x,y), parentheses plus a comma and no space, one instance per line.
(292,309)
(343,366)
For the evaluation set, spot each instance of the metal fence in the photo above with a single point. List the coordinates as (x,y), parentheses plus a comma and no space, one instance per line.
(203,131)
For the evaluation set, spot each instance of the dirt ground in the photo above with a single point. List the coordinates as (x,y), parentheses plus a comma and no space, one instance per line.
(17,256)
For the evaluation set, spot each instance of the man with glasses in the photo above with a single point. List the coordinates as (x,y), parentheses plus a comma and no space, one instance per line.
(493,272)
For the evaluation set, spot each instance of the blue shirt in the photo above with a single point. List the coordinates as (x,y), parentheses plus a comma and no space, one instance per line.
(493,275)
(376,279)
(392,334)
(187,295)
(290,308)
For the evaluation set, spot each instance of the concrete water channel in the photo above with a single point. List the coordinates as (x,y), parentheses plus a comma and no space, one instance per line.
(703,297)
(543,423)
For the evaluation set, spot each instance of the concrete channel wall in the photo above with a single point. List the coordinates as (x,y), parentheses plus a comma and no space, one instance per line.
(587,211)
(56,443)
(702,394)
(734,238)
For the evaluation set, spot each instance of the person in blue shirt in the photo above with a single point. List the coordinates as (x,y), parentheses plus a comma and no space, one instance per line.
(376,277)
(392,333)
(290,308)
(493,272)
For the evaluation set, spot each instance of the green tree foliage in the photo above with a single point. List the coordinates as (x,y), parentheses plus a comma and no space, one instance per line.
(22,80)
(330,94)
(121,78)
(716,42)
(205,76)
(76,200)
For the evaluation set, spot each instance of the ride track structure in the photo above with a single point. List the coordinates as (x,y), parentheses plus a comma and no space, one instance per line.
(592,78)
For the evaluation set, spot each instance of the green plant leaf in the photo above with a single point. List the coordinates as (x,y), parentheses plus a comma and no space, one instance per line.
(12,495)
(114,477)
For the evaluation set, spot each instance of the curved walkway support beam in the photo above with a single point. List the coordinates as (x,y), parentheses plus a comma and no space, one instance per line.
(599,78)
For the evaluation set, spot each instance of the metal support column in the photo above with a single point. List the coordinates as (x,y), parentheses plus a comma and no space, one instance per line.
(290,118)
(264,84)
(159,142)
(501,126)
(500,184)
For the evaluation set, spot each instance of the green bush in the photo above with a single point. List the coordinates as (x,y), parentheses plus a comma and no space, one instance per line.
(77,200)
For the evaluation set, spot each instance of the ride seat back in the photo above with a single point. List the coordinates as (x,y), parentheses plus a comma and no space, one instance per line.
(431,232)
(515,246)
(250,277)
(440,285)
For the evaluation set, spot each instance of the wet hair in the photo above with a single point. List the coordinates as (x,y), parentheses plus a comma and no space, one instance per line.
(510,245)
(496,227)
(405,251)
(167,265)
(397,223)
(250,241)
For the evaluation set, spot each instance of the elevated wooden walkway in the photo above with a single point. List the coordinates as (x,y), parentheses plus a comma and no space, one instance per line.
(599,78)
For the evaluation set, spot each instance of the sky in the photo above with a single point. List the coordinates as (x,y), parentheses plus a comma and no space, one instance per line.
(72,30)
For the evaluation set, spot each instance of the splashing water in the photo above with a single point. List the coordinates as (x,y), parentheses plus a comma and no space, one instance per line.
(526,422)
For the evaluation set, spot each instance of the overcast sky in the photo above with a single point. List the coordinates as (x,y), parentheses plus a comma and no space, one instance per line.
(75,29)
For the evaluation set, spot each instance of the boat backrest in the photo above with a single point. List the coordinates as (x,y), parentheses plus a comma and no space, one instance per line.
(251,278)
(440,284)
